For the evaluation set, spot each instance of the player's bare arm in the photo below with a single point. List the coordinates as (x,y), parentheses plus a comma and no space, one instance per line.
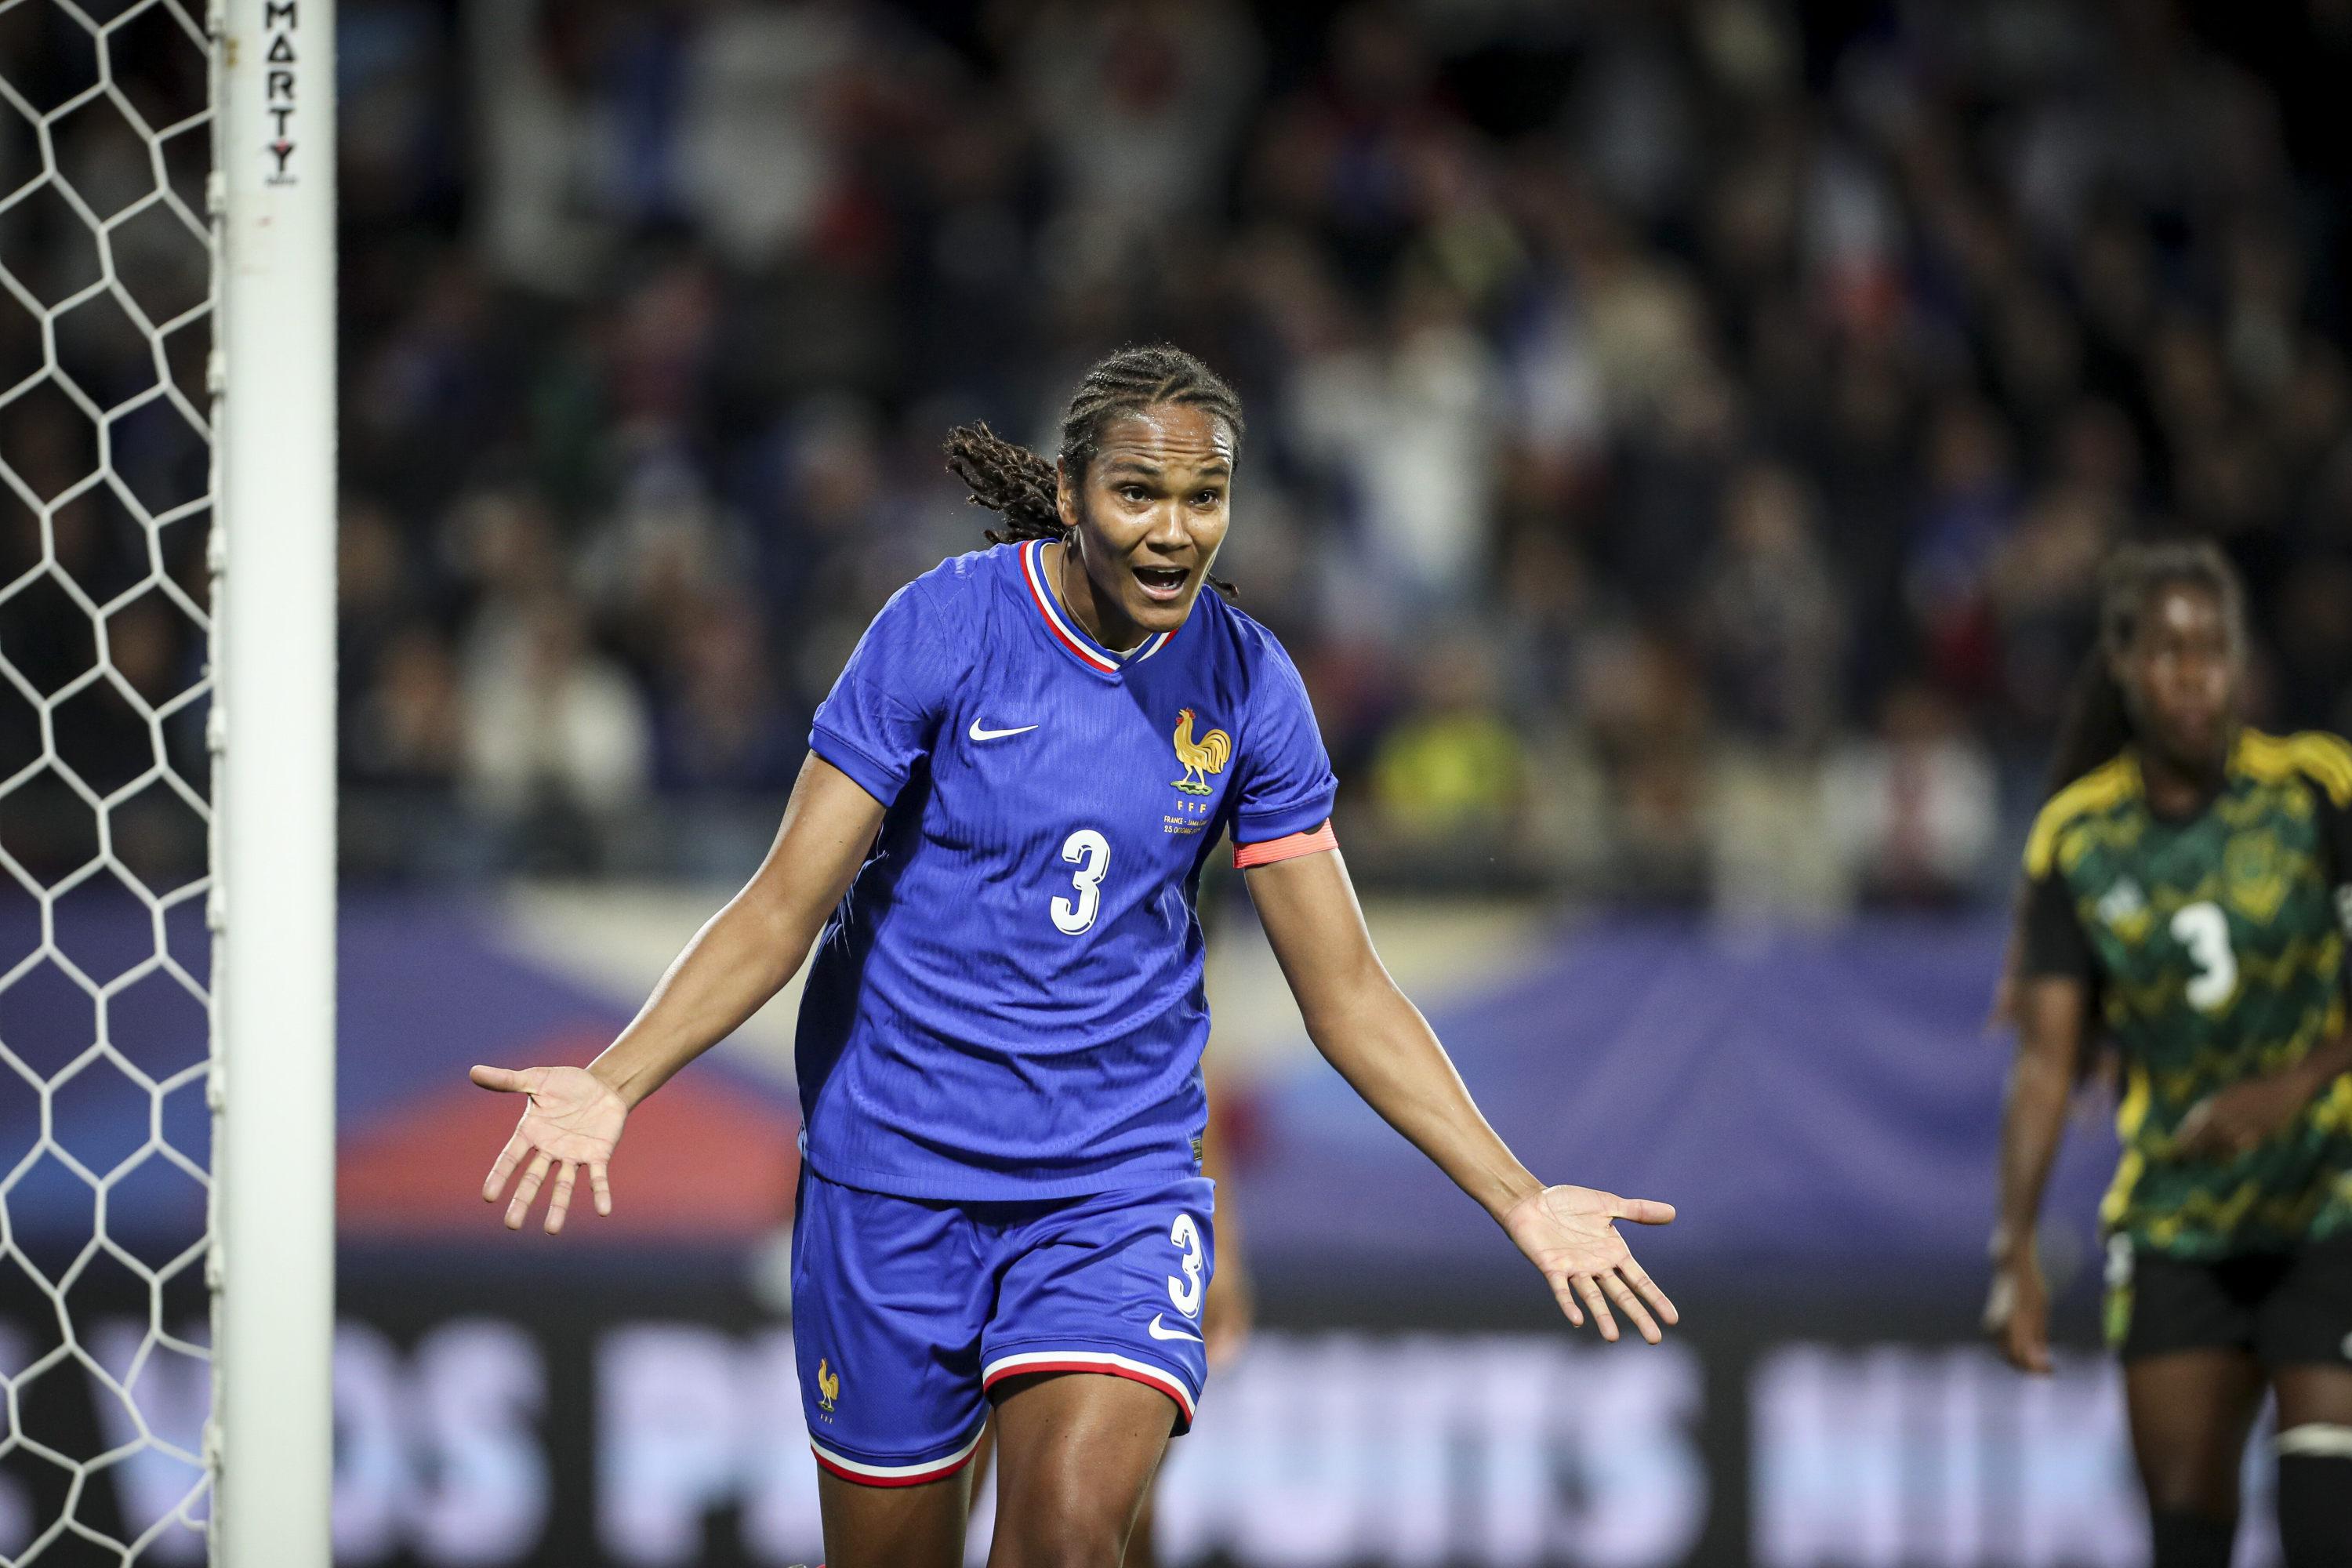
(738,960)
(1368,1029)
(2050,1010)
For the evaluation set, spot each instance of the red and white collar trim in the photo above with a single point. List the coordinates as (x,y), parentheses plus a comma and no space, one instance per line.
(1065,630)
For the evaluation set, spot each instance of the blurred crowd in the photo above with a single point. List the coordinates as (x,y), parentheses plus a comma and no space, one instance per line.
(1683,433)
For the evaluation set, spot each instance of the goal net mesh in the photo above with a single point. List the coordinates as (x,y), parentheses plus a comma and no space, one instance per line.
(107,284)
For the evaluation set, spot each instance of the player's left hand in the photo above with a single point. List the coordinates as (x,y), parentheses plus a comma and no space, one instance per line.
(1570,1234)
(2239,1117)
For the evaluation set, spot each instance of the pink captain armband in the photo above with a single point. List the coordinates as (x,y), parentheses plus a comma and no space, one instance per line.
(1248,855)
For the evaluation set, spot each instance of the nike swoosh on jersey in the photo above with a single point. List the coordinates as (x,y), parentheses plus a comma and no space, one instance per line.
(1159,1331)
(977,733)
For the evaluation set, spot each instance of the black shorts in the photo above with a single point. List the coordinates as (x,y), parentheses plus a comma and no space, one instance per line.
(2288,1308)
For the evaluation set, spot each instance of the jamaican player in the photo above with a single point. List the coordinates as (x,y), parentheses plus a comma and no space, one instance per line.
(2186,896)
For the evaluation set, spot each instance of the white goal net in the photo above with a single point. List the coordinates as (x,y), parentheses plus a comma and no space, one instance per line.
(166,753)
(107,311)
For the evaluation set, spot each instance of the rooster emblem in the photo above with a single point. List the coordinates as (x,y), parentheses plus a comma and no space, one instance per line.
(828,1383)
(1205,755)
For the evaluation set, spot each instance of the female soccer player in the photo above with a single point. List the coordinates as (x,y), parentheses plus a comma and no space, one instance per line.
(2192,880)
(995,844)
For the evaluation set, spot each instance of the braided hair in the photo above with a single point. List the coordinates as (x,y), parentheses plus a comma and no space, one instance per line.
(1023,486)
(2098,722)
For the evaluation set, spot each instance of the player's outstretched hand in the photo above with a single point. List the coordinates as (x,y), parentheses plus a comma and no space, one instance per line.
(1570,1234)
(573,1119)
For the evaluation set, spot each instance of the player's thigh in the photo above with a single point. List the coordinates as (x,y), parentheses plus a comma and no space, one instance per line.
(2306,1341)
(2192,1375)
(1142,1550)
(2304,1337)
(894,1527)
(1076,1454)
(1094,1357)
(2191,1413)
(2313,1394)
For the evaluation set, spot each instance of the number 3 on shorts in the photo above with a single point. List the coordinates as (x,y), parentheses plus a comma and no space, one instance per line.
(1186,1292)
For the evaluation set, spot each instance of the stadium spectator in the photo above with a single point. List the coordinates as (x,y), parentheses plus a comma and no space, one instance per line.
(1511,298)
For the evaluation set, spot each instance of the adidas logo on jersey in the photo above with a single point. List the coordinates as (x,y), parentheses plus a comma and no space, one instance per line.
(2123,903)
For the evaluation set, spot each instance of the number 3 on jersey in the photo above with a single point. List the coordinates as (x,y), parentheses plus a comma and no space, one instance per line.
(2204,931)
(1090,852)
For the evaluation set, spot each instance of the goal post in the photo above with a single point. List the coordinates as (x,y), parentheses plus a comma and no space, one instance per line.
(272,1443)
(167,620)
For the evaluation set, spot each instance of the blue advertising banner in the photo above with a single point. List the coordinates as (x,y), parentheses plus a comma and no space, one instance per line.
(1821,1105)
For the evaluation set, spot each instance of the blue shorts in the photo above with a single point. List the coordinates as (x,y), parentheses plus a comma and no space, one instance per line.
(907,1310)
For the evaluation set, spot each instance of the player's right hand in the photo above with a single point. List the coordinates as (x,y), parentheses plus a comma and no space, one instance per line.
(2017,1315)
(573,1120)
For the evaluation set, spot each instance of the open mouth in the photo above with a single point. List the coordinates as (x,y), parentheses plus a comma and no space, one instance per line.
(1161,582)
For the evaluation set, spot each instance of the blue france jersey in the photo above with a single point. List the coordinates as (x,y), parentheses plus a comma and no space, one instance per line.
(1008,1003)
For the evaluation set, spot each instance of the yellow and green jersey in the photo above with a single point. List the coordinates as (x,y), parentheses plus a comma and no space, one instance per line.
(2215,947)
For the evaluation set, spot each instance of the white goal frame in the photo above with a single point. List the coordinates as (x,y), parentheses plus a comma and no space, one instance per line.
(271,1443)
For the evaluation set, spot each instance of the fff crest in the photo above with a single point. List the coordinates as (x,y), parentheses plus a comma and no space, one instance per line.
(1200,758)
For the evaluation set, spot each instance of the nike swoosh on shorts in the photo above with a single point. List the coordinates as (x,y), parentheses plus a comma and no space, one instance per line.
(1159,1331)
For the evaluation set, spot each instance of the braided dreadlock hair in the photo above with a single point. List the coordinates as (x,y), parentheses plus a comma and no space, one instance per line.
(2098,722)
(1023,486)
